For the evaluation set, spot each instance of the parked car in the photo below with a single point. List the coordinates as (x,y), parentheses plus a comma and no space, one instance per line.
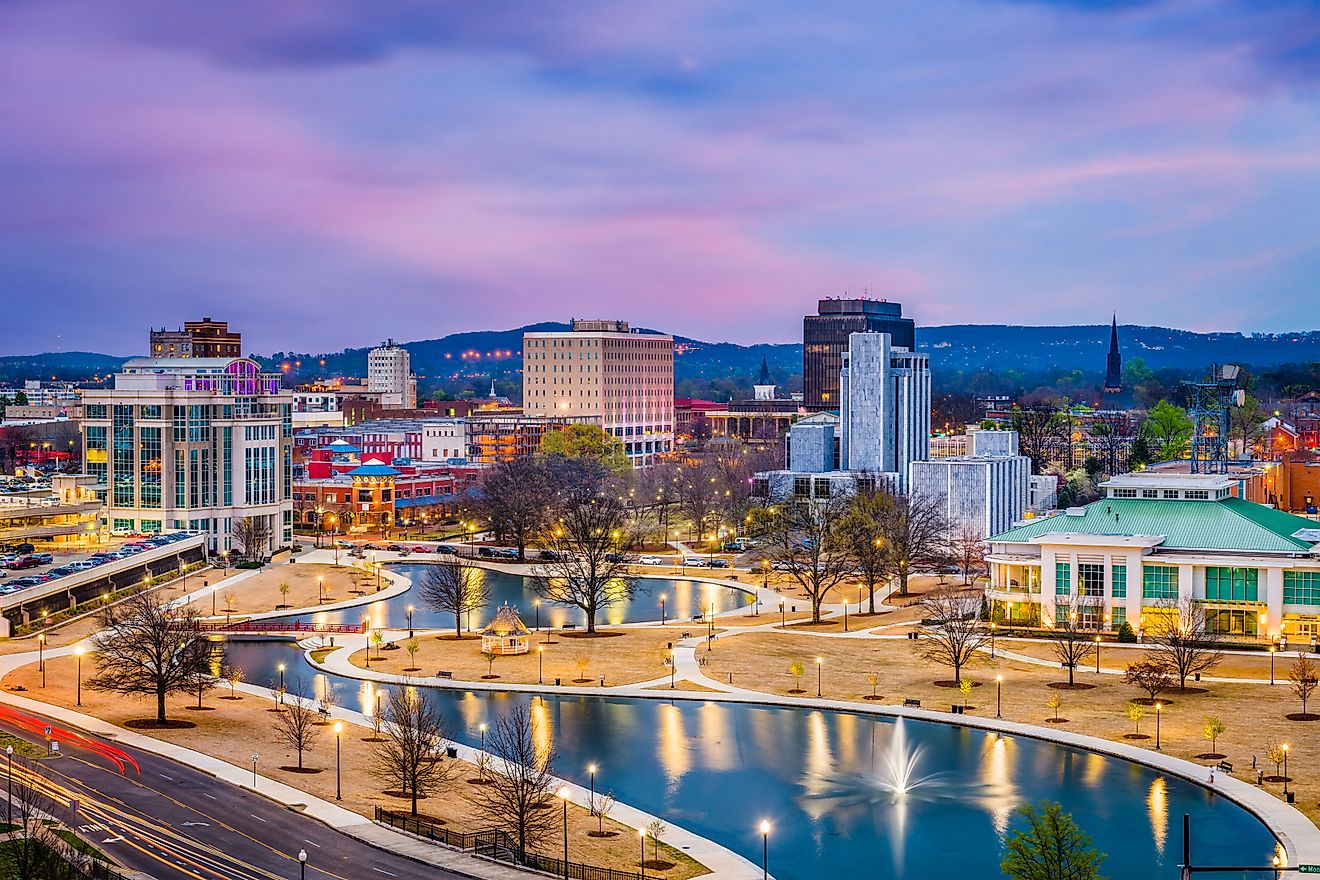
(395,548)
(61,571)
(785,565)
(617,557)
(30,580)
(650,560)
(694,562)
(6,558)
(344,545)
(420,549)
(447,549)
(372,547)
(20,549)
(23,562)
(549,556)
(43,558)
(719,563)
(486,552)
(82,565)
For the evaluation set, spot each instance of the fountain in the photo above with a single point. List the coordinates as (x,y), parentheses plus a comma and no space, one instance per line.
(898,763)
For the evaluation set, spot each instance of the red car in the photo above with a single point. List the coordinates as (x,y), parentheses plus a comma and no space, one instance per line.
(24,562)
(420,549)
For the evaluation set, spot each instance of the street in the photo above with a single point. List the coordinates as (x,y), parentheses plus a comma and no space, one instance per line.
(172,822)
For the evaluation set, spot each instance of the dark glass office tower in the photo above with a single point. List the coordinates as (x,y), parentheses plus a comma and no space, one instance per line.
(825,339)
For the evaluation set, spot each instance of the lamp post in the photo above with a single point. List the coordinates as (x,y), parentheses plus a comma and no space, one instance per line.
(254,770)
(992,639)
(410,625)
(765,850)
(482,728)
(783,617)
(1272,650)
(9,750)
(819,661)
(641,835)
(1097,655)
(563,796)
(366,632)
(845,613)
(302,864)
(281,669)
(78,652)
(41,657)
(999,695)
(339,790)
(540,664)
(537,603)
(673,662)
(591,804)
(1285,748)
(662,609)
(1159,707)
(320,590)
(214,590)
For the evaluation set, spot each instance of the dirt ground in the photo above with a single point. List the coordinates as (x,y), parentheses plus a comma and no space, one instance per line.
(260,592)
(249,720)
(1118,657)
(1254,713)
(622,656)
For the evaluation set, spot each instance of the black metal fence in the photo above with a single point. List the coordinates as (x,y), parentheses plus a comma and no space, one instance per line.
(499,846)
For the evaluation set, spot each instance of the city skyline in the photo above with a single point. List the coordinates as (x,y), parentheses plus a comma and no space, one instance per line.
(333,172)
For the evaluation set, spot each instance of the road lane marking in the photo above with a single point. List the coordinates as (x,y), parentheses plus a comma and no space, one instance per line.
(165,776)
(314,843)
(211,796)
(383,871)
(255,816)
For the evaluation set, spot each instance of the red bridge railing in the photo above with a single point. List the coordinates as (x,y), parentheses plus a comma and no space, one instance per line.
(275,626)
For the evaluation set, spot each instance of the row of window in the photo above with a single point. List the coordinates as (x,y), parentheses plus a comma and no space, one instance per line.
(1222,583)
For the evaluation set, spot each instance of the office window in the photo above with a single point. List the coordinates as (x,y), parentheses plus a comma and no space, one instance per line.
(1090,579)
(1230,584)
(1118,578)
(1062,578)
(1159,582)
(1301,587)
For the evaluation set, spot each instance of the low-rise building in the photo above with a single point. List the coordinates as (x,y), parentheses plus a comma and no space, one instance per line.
(68,514)
(1156,541)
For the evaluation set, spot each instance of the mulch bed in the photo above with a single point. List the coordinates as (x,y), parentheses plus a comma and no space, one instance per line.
(489,677)
(950,683)
(1210,756)
(582,680)
(1147,701)
(303,770)
(1302,716)
(412,669)
(1278,779)
(1075,686)
(1135,736)
(1188,692)
(396,793)
(796,691)
(1056,720)
(602,834)
(201,708)
(153,724)
(877,697)
(657,864)
(227,697)
(599,634)
(374,739)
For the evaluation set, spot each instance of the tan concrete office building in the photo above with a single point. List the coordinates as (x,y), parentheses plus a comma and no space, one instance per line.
(604,370)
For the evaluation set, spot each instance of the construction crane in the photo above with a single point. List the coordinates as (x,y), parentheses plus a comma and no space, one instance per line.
(1210,403)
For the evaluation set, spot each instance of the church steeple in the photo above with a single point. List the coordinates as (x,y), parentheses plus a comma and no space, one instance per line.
(764,389)
(1114,363)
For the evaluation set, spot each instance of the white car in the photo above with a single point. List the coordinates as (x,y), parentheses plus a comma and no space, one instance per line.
(694,562)
(650,560)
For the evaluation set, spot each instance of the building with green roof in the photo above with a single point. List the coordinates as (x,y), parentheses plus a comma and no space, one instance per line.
(1157,541)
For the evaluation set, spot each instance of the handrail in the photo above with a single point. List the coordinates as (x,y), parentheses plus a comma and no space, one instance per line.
(274,626)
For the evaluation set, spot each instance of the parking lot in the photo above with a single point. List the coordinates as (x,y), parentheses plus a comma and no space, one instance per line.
(61,562)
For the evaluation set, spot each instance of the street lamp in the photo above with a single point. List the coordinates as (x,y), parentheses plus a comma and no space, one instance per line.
(845,613)
(1159,707)
(1097,654)
(410,626)
(537,603)
(641,835)
(564,794)
(78,652)
(783,617)
(992,639)
(1272,650)
(41,657)
(819,660)
(302,864)
(320,591)
(999,695)
(366,632)
(1285,748)
(765,850)
(482,728)
(673,662)
(662,609)
(214,590)
(591,804)
(339,790)
(540,664)
(9,750)
(281,669)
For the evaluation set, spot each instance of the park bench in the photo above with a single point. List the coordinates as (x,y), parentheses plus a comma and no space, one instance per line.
(444,674)
(569,626)
(912,704)
(1225,767)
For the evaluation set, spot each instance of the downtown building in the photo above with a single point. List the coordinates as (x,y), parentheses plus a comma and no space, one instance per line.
(603,370)
(196,339)
(192,443)
(389,374)
(825,339)
(983,493)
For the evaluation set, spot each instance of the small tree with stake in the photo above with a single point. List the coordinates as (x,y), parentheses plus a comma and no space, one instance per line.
(296,726)
(1135,712)
(1049,846)
(490,657)
(1302,680)
(1212,729)
(797,669)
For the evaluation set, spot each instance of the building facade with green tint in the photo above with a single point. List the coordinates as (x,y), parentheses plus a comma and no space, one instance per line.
(1157,541)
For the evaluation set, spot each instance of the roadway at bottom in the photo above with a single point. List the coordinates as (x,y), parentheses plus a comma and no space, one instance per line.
(172,822)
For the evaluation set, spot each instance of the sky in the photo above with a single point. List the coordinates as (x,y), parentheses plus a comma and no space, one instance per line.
(326,174)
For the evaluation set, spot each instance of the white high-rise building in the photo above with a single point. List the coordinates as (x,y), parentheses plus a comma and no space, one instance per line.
(192,443)
(885,392)
(603,370)
(389,374)
(981,494)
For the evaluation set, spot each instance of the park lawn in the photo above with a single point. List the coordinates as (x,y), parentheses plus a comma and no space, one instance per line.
(1118,656)
(625,655)
(249,721)
(260,592)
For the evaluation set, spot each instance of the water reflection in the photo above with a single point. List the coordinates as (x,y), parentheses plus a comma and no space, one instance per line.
(1157,806)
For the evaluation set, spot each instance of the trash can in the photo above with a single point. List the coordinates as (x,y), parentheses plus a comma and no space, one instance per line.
(1292,797)
(1197,676)
(556,682)
(451,752)
(1260,777)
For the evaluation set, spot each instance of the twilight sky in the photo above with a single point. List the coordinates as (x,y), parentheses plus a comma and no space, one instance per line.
(327,173)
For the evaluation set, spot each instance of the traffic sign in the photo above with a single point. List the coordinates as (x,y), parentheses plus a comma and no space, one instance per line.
(1308,869)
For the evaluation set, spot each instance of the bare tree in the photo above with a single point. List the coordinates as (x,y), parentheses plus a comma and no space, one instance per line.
(1302,680)
(519,780)
(1039,426)
(697,487)
(1152,677)
(807,537)
(864,535)
(252,535)
(297,727)
(587,569)
(455,586)
(968,549)
(517,500)
(1111,434)
(410,758)
(37,850)
(954,632)
(1070,643)
(1181,640)
(914,532)
(146,647)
